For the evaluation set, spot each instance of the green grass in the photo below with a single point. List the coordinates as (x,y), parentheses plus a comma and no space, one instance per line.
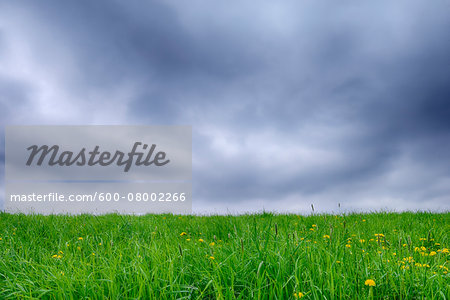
(262,256)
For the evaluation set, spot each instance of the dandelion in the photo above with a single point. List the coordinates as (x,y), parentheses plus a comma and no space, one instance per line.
(80,238)
(211,258)
(299,295)
(93,254)
(0,238)
(364,220)
(445,250)
(201,240)
(338,261)
(348,246)
(379,235)
(183,233)
(433,253)
(314,225)
(212,244)
(60,252)
(369,282)
(99,244)
(188,240)
(326,236)
(362,240)
(55,256)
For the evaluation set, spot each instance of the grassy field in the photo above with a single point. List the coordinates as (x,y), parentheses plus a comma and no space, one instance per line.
(263,256)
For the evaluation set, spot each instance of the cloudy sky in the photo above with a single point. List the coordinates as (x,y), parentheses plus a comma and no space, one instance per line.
(291,103)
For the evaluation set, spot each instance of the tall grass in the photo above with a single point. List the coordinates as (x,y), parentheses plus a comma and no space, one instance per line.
(261,256)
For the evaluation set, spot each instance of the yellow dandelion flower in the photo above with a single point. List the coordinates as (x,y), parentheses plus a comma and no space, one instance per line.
(369,282)
(201,240)
(0,238)
(211,258)
(188,240)
(80,238)
(55,256)
(60,252)
(362,240)
(299,295)
(326,236)
(314,225)
(348,246)
(433,253)
(183,233)
(212,244)
(445,250)
(93,254)
(364,220)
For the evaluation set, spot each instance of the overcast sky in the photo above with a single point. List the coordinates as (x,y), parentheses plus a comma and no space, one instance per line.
(291,102)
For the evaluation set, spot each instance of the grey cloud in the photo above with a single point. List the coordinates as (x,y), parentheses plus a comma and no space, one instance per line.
(356,96)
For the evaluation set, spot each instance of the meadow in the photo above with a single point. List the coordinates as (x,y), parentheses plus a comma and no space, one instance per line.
(378,255)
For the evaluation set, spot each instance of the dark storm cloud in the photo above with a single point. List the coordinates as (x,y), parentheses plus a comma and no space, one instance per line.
(290,103)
